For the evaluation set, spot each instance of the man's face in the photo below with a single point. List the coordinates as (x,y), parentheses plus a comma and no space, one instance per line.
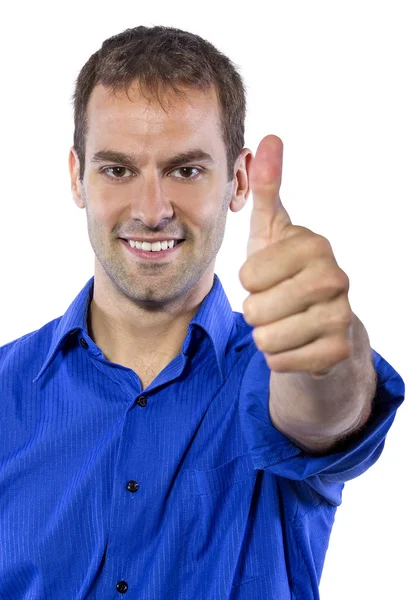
(147,195)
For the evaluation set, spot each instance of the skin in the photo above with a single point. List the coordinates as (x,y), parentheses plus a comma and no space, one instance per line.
(141,309)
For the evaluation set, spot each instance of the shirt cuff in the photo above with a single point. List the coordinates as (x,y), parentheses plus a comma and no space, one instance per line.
(272,451)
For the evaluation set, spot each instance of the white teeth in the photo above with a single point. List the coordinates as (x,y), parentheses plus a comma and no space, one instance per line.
(152,247)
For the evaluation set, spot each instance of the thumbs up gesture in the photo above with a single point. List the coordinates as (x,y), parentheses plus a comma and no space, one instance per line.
(298,301)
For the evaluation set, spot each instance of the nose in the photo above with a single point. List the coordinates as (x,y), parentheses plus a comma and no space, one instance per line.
(150,203)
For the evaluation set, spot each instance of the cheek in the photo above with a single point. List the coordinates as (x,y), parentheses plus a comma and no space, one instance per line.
(198,204)
(102,215)
(104,205)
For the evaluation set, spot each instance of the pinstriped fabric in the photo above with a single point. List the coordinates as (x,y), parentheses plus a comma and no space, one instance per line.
(190,495)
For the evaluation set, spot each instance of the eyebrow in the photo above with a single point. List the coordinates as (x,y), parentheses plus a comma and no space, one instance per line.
(131,160)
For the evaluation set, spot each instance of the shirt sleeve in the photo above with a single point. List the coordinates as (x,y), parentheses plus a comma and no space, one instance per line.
(272,451)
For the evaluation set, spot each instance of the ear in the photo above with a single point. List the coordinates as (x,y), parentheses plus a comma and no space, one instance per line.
(76,188)
(241,187)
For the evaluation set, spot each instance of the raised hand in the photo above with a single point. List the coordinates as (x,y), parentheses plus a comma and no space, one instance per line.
(298,302)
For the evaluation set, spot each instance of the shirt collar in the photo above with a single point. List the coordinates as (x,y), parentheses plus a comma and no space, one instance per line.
(214,316)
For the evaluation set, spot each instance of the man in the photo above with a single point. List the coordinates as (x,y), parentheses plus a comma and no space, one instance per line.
(155,443)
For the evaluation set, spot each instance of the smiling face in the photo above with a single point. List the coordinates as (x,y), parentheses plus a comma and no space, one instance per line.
(152,174)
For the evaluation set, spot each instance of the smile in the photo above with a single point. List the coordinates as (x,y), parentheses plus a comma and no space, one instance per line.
(156,250)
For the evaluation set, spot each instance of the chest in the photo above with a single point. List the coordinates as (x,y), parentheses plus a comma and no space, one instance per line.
(147,367)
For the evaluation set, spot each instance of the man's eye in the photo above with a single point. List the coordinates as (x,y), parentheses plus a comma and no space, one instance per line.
(117,172)
(186,172)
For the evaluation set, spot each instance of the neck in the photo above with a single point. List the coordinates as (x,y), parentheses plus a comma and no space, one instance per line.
(135,336)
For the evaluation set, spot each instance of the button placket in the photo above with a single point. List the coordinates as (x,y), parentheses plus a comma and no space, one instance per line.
(132,486)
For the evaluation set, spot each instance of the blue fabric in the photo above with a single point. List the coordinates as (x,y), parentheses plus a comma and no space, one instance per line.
(227,508)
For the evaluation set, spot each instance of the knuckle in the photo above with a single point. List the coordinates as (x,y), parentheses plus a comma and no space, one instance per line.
(345,316)
(341,349)
(341,318)
(333,283)
(323,244)
(327,284)
(343,280)
(319,245)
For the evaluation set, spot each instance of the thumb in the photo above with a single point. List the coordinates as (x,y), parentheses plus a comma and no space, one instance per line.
(268,216)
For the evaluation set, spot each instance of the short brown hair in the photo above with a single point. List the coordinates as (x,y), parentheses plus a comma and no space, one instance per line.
(162,58)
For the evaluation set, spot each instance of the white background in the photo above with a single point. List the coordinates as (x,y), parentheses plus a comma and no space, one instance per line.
(330,78)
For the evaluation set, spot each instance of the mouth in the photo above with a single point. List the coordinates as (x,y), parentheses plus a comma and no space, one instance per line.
(157,251)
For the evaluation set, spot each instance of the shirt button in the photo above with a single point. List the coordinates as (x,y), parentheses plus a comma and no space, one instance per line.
(83,343)
(132,486)
(122,587)
(142,401)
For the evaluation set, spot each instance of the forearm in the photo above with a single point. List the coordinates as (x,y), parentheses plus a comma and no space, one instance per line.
(317,413)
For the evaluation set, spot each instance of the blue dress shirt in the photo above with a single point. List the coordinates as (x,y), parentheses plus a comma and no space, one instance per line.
(182,491)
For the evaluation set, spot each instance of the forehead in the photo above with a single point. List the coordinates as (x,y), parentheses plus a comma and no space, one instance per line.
(123,118)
